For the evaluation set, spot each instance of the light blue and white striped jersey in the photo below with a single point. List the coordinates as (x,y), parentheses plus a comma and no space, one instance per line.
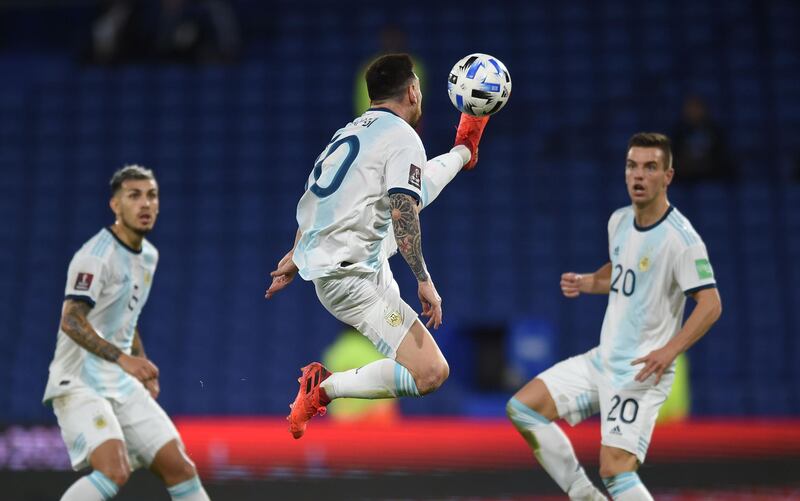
(653,269)
(115,280)
(344,214)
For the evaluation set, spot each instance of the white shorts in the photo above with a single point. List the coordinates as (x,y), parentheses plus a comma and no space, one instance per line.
(371,303)
(627,415)
(87,420)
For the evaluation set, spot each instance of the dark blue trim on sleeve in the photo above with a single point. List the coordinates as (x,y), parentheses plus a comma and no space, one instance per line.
(405,191)
(692,291)
(85,299)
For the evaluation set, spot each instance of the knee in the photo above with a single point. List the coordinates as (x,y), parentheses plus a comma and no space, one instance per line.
(186,471)
(433,377)
(533,397)
(614,461)
(119,474)
(178,471)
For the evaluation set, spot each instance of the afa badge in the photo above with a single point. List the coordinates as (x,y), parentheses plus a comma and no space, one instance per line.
(394,318)
(100,422)
(644,264)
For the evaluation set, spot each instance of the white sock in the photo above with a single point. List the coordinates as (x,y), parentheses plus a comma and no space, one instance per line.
(189,490)
(553,450)
(439,171)
(627,487)
(382,378)
(92,487)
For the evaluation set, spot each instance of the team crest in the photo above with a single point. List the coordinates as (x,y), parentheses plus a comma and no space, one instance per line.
(83,282)
(394,319)
(644,264)
(148,277)
(100,422)
(415,176)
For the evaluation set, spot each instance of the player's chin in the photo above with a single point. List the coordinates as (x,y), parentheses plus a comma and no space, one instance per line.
(144,229)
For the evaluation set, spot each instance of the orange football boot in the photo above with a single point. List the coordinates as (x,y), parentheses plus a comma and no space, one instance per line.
(308,402)
(470,130)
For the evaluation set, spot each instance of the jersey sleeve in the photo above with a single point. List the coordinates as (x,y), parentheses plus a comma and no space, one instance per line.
(613,224)
(85,278)
(404,169)
(693,270)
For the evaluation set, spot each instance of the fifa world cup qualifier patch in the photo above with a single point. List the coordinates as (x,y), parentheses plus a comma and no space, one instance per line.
(704,270)
(415,176)
(83,282)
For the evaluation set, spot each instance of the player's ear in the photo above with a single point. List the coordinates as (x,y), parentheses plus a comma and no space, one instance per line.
(412,93)
(669,175)
(114,204)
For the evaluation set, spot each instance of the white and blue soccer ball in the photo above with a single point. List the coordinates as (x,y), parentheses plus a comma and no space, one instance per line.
(479,85)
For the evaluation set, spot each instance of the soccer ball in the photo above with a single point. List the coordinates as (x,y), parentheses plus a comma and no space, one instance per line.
(479,85)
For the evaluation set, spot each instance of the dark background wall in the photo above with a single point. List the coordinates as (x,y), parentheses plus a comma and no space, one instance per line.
(232,144)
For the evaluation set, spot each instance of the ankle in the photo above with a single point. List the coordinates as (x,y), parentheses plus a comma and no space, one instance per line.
(324,399)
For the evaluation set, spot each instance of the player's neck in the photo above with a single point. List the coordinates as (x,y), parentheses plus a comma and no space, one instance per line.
(395,107)
(127,236)
(651,213)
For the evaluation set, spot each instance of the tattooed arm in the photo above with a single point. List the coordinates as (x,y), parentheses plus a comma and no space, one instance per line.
(405,219)
(407,233)
(75,324)
(78,328)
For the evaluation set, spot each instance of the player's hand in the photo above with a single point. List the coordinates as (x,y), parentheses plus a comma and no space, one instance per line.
(282,276)
(571,284)
(153,387)
(655,362)
(138,367)
(431,303)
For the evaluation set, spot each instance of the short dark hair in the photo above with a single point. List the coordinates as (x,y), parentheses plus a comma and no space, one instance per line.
(388,76)
(653,140)
(129,172)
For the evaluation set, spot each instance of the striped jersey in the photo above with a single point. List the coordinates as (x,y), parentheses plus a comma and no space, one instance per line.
(653,269)
(115,280)
(344,214)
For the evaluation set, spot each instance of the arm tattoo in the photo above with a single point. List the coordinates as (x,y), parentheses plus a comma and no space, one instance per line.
(78,328)
(405,220)
(137,348)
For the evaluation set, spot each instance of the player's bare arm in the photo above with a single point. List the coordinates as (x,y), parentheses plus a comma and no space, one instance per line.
(706,312)
(283,275)
(599,282)
(78,328)
(75,324)
(137,347)
(137,350)
(407,233)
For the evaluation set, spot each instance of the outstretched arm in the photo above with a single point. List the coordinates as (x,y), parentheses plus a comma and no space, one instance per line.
(599,282)
(75,324)
(407,233)
(706,312)
(439,171)
(283,275)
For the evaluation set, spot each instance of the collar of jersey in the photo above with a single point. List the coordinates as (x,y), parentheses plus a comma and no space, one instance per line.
(648,228)
(387,110)
(127,247)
